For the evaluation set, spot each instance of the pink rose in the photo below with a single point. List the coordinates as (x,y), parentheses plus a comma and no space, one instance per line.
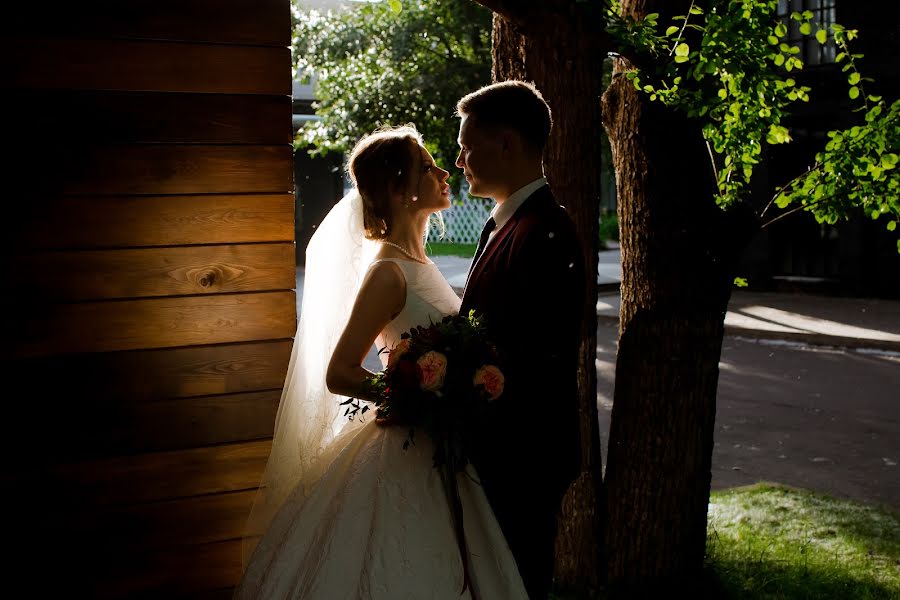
(432,369)
(492,379)
(397,351)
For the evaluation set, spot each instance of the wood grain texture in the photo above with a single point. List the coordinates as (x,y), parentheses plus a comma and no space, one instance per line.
(257,22)
(189,423)
(50,63)
(151,117)
(173,572)
(82,429)
(149,272)
(123,221)
(147,301)
(122,378)
(159,525)
(131,480)
(152,323)
(166,169)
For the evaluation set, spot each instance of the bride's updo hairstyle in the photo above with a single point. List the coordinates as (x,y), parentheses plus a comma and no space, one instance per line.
(383,163)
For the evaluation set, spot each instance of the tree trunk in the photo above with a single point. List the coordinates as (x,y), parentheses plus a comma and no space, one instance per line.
(570,80)
(676,285)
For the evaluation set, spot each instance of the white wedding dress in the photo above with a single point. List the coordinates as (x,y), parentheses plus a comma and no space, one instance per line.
(377,524)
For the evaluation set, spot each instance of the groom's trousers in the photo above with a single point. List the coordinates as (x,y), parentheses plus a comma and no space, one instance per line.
(526,504)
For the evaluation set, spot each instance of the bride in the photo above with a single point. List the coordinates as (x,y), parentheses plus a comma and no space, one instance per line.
(344,512)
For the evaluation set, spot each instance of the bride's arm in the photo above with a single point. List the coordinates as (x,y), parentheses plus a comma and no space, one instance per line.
(381,297)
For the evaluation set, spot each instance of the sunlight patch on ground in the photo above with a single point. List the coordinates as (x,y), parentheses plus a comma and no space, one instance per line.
(774,319)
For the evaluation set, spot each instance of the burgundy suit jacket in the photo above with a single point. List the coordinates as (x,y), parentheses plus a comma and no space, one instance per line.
(528,286)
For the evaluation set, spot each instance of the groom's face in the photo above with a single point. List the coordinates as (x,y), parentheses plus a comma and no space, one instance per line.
(479,158)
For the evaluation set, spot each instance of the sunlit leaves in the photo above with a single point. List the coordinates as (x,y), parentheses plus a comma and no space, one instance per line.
(778,135)
(375,66)
(858,167)
(732,67)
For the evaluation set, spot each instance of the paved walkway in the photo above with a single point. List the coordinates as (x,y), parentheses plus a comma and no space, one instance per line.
(820,320)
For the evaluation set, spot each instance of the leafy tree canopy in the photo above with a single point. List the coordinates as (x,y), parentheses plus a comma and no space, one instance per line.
(379,65)
(732,67)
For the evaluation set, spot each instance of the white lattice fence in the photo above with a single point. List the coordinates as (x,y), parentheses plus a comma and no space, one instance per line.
(463,222)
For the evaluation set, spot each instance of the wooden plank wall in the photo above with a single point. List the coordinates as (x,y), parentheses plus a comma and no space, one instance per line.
(148,302)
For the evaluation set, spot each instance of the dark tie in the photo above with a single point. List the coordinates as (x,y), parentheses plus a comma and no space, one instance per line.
(482,241)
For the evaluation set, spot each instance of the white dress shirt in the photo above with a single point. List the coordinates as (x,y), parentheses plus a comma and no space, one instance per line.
(503,212)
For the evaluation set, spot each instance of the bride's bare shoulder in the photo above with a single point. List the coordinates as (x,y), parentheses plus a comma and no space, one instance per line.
(384,286)
(385,275)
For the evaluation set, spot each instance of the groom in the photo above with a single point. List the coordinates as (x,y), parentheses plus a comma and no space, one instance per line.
(527,280)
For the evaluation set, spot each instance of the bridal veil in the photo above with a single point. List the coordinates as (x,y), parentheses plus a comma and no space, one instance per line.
(310,422)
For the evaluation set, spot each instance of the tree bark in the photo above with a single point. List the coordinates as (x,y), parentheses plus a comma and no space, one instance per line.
(571,82)
(677,271)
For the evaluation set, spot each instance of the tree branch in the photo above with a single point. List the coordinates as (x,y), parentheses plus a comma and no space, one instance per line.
(792,211)
(816,167)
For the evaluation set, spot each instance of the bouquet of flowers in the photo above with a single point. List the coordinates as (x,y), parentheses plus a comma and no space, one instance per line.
(439,378)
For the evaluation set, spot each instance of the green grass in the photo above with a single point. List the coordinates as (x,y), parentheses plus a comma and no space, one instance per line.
(769,542)
(448,249)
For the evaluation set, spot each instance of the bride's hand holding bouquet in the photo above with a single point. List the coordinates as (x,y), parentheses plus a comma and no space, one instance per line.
(440,379)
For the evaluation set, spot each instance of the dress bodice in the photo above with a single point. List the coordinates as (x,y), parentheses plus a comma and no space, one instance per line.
(429,298)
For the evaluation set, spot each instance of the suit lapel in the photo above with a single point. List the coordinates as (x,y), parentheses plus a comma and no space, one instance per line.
(500,237)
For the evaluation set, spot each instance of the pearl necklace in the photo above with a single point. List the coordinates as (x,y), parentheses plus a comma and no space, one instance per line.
(404,251)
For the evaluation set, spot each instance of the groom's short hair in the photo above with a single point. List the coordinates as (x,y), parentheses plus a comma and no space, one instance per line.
(516,105)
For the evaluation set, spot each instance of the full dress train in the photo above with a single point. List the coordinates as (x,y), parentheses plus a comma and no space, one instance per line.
(377,524)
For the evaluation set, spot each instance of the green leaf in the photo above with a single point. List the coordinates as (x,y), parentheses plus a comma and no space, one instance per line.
(822,36)
(854,93)
(773,40)
(779,60)
(781,30)
(892,225)
(723,93)
(740,282)
(805,28)
(396,6)
(696,10)
(682,49)
(853,79)
(671,30)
